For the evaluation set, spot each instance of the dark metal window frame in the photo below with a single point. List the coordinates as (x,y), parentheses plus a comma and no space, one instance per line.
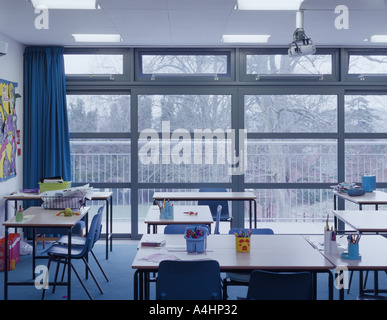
(259,79)
(237,85)
(184,78)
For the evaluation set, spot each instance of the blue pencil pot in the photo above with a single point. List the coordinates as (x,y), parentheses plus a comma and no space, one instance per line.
(369,183)
(353,250)
(196,239)
(167,212)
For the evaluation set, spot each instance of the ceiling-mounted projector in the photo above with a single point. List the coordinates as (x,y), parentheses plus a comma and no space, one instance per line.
(3,48)
(301,45)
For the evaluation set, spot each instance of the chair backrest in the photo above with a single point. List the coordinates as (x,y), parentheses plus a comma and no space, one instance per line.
(213,204)
(266,285)
(188,280)
(218,213)
(99,224)
(94,227)
(254,231)
(179,228)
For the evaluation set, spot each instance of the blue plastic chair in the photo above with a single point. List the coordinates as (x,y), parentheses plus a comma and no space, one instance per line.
(266,285)
(241,278)
(59,253)
(217,221)
(213,204)
(188,280)
(80,241)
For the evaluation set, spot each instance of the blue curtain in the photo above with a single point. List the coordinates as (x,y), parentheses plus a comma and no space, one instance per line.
(46,133)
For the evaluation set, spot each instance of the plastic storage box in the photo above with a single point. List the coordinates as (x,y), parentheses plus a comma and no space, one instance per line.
(13,253)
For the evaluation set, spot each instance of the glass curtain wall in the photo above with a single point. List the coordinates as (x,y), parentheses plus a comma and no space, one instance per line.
(144,120)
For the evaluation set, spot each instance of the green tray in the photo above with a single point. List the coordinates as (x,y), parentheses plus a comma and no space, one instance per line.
(54,186)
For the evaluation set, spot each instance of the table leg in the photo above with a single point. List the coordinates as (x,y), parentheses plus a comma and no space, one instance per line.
(361,287)
(111,223)
(135,285)
(250,214)
(255,212)
(330,285)
(376,282)
(107,230)
(33,252)
(314,284)
(69,265)
(339,275)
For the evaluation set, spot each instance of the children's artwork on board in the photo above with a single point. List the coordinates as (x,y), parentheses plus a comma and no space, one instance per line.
(8,129)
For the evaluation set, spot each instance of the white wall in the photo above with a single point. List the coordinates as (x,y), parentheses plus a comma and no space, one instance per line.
(11,69)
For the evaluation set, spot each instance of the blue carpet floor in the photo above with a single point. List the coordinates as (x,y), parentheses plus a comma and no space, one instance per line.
(120,287)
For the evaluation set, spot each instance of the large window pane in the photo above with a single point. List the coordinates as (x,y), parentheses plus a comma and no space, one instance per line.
(367,64)
(89,64)
(187,112)
(102,161)
(365,157)
(291,113)
(98,113)
(184,160)
(291,161)
(121,210)
(295,205)
(262,64)
(365,113)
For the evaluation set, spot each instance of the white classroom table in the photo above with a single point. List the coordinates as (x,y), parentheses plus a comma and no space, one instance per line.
(268,252)
(223,196)
(373,252)
(375,198)
(38,217)
(179,216)
(106,196)
(369,221)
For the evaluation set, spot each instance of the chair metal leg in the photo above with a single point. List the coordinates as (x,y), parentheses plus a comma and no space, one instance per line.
(365,280)
(100,267)
(48,268)
(57,271)
(80,280)
(92,274)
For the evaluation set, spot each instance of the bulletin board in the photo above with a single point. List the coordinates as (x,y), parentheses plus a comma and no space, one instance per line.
(8,129)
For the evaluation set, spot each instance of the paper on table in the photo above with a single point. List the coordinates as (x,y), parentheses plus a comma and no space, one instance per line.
(158,257)
(191,256)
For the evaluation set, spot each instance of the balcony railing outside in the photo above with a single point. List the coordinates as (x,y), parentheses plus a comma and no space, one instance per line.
(281,165)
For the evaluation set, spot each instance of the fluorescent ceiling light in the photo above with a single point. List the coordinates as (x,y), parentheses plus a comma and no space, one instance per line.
(269,4)
(97,37)
(379,38)
(65,4)
(245,38)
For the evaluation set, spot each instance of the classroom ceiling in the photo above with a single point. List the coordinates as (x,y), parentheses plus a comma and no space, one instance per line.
(194,23)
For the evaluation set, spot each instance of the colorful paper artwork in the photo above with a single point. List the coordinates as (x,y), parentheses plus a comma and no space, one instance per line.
(8,130)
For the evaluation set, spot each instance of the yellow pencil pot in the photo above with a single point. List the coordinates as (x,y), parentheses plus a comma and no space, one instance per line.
(242,244)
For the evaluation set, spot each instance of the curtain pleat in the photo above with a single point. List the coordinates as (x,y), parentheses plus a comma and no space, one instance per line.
(47,141)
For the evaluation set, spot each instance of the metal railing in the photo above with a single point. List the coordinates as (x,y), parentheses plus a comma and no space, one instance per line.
(278,163)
